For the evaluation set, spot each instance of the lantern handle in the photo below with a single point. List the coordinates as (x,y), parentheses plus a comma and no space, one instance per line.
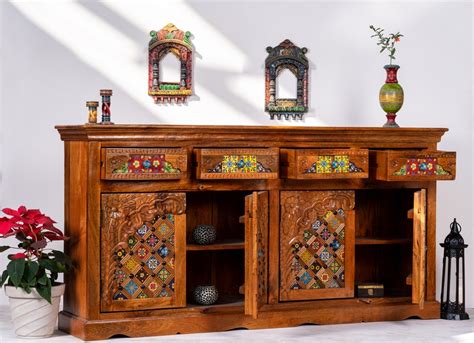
(455,225)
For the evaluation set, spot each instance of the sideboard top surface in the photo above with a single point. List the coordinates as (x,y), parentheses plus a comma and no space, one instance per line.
(268,135)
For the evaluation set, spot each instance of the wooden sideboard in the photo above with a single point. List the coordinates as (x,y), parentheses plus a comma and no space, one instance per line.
(303,215)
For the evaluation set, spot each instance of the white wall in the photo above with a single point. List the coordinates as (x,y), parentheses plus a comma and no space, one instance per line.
(56,55)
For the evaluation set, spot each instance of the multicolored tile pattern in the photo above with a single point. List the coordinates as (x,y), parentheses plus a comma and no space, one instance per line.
(329,164)
(145,266)
(318,257)
(145,164)
(421,166)
(239,164)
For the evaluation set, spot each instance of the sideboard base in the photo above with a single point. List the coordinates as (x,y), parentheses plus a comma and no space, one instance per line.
(209,319)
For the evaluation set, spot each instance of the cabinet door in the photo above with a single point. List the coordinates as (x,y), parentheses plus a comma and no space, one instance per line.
(143,251)
(419,248)
(317,239)
(256,252)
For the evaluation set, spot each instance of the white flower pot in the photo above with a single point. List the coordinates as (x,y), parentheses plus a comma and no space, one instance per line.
(33,316)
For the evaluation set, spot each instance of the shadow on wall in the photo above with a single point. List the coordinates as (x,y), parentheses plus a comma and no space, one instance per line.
(219,82)
(61,80)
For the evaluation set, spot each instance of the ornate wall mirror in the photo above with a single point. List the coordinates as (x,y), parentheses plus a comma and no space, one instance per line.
(170,40)
(286,56)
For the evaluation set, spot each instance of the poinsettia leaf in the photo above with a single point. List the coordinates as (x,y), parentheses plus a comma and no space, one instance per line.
(32,282)
(11,233)
(31,213)
(49,264)
(4,277)
(6,226)
(20,235)
(4,247)
(26,287)
(43,280)
(31,269)
(62,257)
(15,269)
(42,219)
(45,291)
(54,229)
(17,256)
(53,236)
(11,212)
(39,244)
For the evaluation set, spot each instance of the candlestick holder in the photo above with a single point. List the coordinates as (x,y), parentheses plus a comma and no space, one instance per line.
(106,94)
(92,113)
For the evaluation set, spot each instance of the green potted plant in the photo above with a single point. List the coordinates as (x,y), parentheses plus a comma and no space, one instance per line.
(391,94)
(30,277)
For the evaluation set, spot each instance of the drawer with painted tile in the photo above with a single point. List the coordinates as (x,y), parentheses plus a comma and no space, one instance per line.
(237,163)
(324,163)
(391,165)
(144,163)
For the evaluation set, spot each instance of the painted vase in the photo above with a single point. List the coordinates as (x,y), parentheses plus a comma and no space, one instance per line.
(391,95)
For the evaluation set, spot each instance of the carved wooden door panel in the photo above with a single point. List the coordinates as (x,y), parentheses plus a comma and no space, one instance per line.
(143,251)
(256,252)
(419,248)
(317,243)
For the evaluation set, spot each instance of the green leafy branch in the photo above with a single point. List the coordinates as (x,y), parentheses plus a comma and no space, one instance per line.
(39,273)
(386,43)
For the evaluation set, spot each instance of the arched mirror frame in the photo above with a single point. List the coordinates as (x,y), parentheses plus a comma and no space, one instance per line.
(286,55)
(172,40)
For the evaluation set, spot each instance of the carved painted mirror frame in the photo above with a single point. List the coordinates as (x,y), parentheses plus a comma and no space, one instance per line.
(286,55)
(172,40)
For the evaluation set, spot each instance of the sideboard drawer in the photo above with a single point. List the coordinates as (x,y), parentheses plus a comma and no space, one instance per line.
(143,163)
(238,163)
(413,165)
(325,163)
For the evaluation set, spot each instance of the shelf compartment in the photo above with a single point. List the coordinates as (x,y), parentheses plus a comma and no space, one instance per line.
(222,245)
(381,241)
(224,301)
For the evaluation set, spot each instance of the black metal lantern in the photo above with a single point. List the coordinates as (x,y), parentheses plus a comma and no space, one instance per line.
(453,283)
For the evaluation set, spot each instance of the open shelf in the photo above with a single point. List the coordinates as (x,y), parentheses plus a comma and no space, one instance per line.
(381,241)
(227,300)
(222,245)
(384,234)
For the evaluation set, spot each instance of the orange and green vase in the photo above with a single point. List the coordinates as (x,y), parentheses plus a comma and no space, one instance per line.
(391,95)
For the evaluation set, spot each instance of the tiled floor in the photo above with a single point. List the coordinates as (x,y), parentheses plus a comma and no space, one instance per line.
(404,331)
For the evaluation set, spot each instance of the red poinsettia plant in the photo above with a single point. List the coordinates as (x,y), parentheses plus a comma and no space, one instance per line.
(32,265)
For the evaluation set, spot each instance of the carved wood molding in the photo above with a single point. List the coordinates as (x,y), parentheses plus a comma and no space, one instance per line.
(122,215)
(317,203)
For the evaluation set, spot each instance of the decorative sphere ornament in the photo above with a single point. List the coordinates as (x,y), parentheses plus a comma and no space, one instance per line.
(204,234)
(205,295)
